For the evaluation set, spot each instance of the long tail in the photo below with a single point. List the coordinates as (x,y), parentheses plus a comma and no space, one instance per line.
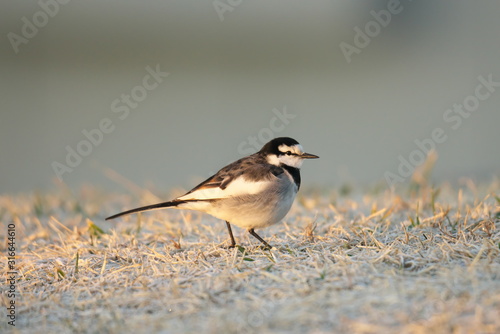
(148,208)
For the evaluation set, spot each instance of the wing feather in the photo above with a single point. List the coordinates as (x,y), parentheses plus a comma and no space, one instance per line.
(249,175)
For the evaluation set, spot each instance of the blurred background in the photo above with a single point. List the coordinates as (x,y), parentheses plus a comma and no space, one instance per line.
(240,72)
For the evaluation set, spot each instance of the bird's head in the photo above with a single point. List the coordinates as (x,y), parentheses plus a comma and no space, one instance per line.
(285,150)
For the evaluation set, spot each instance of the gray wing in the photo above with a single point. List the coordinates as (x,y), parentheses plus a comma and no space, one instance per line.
(254,167)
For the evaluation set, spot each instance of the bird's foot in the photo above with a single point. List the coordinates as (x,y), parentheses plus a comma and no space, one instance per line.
(228,246)
(265,247)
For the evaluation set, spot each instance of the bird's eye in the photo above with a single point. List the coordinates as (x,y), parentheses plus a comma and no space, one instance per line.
(288,153)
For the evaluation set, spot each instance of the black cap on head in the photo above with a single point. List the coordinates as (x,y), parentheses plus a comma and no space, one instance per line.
(272,146)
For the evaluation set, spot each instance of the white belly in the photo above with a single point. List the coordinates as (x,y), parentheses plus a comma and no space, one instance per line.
(253,211)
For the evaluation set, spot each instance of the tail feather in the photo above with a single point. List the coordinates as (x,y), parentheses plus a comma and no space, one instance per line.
(148,208)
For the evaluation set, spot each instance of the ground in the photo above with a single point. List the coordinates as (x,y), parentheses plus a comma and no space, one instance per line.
(414,260)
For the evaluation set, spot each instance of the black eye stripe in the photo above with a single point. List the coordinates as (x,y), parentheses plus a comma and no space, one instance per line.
(288,153)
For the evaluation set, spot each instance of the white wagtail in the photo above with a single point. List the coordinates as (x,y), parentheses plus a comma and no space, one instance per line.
(254,192)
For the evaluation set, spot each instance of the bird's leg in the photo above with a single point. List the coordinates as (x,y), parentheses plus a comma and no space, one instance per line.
(233,243)
(252,232)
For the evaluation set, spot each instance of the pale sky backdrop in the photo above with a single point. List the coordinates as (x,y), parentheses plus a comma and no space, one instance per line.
(229,68)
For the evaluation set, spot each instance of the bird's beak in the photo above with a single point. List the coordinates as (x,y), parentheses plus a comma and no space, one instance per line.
(308,156)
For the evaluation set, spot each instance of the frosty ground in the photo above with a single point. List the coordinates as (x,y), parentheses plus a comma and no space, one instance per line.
(414,260)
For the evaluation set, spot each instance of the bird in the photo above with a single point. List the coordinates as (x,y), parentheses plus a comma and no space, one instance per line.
(254,192)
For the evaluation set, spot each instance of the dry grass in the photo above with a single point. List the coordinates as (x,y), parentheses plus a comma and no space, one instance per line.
(375,262)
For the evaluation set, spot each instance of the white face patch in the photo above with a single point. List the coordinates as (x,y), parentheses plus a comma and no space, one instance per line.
(293,160)
(296,149)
